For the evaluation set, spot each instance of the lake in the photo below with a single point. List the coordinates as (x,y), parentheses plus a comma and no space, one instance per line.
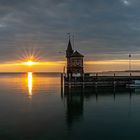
(34,107)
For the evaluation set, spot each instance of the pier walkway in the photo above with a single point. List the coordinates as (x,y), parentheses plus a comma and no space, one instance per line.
(101,81)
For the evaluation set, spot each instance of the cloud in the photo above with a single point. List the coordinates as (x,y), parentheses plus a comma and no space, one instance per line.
(126,2)
(100,27)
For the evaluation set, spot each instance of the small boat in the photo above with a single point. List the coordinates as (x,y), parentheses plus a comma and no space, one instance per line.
(135,85)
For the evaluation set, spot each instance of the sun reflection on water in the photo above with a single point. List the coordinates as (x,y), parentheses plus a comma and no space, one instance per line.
(30,83)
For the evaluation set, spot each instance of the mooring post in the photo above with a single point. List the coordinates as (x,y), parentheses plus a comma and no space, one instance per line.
(62,84)
(83,80)
(62,80)
(130,78)
(75,80)
(69,77)
(69,80)
(83,77)
(96,84)
(114,82)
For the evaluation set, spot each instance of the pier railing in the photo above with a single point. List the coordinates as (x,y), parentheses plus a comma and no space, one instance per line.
(98,80)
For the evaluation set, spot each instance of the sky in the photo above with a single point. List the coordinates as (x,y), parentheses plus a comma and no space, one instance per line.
(105,31)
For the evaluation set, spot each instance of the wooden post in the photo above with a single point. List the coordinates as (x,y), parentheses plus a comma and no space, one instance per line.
(75,80)
(62,84)
(69,80)
(130,81)
(83,77)
(114,82)
(69,76)
(83,80)
(114,89)
(96,84)
(62,80)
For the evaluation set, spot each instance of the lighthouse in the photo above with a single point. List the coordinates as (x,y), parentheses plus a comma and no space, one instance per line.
(74,61)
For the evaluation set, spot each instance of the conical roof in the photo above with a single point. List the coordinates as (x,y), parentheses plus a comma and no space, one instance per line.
(69,46)
(76,54)
(69,50)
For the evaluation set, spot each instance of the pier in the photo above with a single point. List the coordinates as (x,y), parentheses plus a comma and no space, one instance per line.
(99,81)
(75,75)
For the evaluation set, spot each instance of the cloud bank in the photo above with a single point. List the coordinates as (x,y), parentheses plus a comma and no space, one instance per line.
(105,29)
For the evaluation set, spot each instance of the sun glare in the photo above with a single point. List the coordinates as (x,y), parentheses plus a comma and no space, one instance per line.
(29,63)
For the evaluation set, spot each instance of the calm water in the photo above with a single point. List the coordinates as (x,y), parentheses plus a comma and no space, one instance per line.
(32,107)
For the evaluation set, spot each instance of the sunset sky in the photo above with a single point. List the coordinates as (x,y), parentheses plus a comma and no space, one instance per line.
(106,31)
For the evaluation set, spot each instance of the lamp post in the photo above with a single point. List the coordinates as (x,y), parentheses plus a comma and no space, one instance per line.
(130,62)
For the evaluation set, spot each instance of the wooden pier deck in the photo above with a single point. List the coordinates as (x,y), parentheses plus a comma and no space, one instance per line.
(101,81)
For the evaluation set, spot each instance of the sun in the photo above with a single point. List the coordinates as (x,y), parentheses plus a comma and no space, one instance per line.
(29,63)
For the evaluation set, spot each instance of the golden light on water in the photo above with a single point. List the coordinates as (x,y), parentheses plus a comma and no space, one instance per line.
(30,83)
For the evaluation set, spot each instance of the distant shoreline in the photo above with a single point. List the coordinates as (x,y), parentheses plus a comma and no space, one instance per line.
(61,72)
(32,72)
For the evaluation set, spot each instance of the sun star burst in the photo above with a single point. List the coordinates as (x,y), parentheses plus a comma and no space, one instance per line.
(29,63)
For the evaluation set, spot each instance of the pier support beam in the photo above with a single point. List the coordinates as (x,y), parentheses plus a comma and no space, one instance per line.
(69,80)
(96,83)
(62,84)
(83,80)
(114,82)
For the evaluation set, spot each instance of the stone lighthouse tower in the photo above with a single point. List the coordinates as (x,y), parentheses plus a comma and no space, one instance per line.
(74,61)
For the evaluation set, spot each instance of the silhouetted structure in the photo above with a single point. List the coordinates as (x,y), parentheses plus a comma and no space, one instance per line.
(74,61)
(76,77)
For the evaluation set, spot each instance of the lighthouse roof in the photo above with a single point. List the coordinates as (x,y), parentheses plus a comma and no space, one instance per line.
(77,54)
(69,50)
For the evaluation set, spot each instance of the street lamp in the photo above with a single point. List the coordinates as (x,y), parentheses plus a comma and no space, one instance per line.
(130,62)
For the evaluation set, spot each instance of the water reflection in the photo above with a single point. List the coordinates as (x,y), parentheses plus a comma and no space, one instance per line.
(30,83)
(75,102)
(87,113)
(76,97)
